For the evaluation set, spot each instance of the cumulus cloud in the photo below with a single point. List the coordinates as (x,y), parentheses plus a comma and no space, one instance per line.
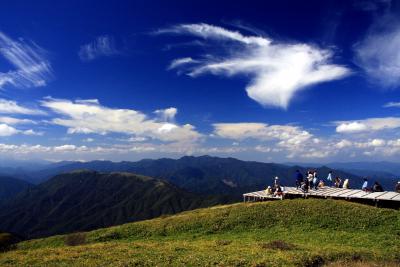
(82,117)
(277,70)
(7,130)
(378,54)
(31,67)
(167,114)
(102,46)
(392,105)
(261,131)
(372,124)
(12,107)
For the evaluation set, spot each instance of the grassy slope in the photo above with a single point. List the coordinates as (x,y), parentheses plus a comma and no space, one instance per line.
(231,235)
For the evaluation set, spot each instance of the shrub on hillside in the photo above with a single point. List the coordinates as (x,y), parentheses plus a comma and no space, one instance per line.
(75,239)
(7,241)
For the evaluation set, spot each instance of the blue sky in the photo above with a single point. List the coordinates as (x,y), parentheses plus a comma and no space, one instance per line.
(280,81)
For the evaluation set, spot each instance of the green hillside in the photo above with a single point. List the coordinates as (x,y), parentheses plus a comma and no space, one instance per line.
(87,200)
(281,233)
(9,187)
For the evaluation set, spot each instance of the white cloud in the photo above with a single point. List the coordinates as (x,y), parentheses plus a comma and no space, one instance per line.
(15,121)
(32,132)
(31,67)
(392,105)
(6,130)
(167,114)
(343,143)
(277,70)
(372,124)
(378,53)
(179,62)
(102,46)
(12,107)
(80,117)
(261,131)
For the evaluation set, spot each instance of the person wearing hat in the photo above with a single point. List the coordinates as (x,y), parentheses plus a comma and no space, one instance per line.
(397,188)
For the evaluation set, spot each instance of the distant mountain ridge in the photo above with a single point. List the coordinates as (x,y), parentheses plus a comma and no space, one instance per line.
(85,200)
(202,175)
(387,167)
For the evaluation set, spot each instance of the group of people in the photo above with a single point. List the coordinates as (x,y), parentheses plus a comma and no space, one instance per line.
(312,181)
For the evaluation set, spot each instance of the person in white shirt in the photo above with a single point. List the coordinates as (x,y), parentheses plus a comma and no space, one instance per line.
(329,178)
(365,185)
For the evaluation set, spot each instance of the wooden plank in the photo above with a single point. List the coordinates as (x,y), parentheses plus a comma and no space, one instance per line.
(360,194)
(326,191)
(374,195)
(397,198)
(340,192)
(351,193)
(388,196)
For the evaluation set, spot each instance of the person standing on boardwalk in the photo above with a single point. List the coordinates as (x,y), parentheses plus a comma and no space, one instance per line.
(305,186)
(365,185)
(299,179)
(315,180)
(310,178)
(276,183)
(329,179)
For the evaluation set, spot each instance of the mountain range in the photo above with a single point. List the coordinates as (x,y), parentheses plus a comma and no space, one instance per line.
(202,174)
(76,196)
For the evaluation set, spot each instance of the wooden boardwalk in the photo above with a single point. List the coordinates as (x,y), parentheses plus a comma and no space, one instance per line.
(326,192)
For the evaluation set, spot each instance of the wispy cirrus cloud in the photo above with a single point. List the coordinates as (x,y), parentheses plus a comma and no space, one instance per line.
(31,66)
(378,55)
(277,70)
(102,46)
(15,121)
(392,105)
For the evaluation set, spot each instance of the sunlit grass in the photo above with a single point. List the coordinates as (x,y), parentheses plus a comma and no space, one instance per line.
(317,231)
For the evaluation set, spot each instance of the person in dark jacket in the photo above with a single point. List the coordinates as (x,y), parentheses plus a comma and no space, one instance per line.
(299,179)
(377,187)
(397,188)
(305,186)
